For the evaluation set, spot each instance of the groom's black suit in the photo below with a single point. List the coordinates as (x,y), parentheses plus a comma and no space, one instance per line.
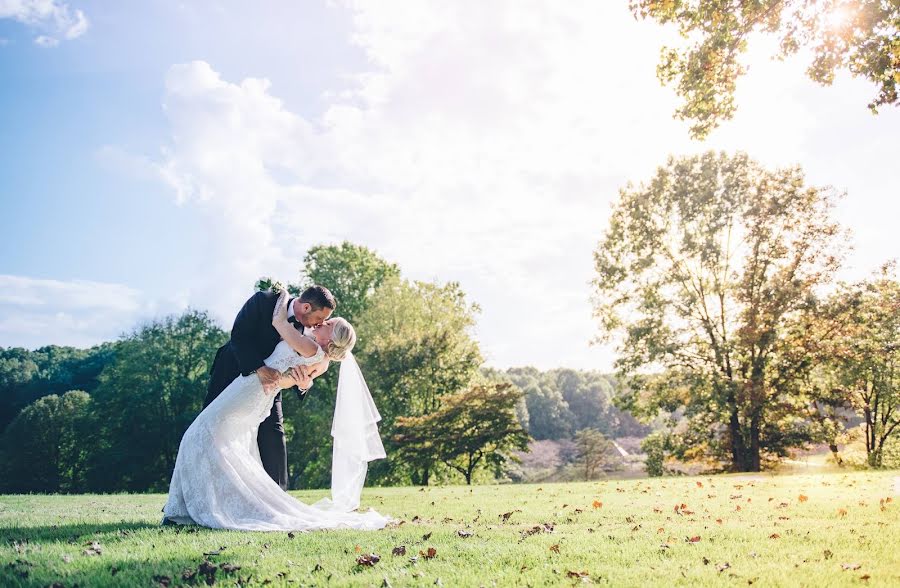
(253,338)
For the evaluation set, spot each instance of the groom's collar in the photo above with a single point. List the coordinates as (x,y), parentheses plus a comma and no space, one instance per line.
(292,318)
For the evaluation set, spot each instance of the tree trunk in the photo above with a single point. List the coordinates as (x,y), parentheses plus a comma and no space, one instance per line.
(754,457)
(837,456)
(737,441)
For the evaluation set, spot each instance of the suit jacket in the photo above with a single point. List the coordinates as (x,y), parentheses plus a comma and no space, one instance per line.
(253,338)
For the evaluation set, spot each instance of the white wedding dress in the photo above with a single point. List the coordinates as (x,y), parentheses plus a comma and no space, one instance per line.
(219,480)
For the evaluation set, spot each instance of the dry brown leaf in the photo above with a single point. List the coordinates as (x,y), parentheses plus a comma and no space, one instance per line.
(369,559)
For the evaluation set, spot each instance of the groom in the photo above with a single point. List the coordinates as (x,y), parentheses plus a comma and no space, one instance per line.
(253,338)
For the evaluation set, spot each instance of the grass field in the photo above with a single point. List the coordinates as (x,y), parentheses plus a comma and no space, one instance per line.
(799,530)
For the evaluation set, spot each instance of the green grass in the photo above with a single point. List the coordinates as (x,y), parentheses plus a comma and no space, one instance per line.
(634,539)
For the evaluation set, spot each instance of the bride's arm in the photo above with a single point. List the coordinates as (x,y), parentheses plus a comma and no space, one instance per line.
(302,345)
(289,379)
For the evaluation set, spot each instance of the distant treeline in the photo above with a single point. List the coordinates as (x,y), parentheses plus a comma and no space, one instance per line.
(560,402)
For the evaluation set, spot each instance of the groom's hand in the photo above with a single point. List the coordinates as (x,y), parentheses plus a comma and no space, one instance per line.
(268,377)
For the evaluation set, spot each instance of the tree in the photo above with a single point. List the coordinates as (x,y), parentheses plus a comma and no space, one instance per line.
(27,375)
(149,396)
(477,426)
(862,358)
(353,273)
(701,273)
(593,451)
(416,349)
(47,446)
(549,416)
(655,445)
(860,36)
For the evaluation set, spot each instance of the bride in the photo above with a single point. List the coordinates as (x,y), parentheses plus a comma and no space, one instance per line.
(219,480)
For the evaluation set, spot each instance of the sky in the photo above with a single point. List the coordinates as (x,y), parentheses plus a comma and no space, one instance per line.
(156,156)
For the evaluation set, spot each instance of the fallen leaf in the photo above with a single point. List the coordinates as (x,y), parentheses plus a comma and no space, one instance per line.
(723,566)
(555,548)
(842,512)
(694,539)
(163,581)
(774,536)
(399,550)
(827,553)
(429,554)
(850,566)
(427,536)
(368,559)
(208,569)
(802,498)
(597,504)
(291,535)
(577,575)
(464,533)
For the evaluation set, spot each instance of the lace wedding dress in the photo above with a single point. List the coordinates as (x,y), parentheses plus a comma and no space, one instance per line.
(219,480)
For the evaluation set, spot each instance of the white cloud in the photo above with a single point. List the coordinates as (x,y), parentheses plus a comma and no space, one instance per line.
(485,145)
(56,18)
(78,312)
(45,41)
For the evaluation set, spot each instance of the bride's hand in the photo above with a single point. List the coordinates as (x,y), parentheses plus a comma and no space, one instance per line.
(280,314)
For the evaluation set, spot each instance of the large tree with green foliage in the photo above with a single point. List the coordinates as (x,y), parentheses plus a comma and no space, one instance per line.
(149,396)
(416,348)
(861,356)
(860,36)
(475,427)
(48,445)
(699,277)
(352,273)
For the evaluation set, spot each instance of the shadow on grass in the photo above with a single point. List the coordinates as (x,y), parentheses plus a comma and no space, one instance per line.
(46,555)
(103,571)
(80,532)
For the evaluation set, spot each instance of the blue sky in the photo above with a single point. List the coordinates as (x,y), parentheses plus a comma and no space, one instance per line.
(159,155)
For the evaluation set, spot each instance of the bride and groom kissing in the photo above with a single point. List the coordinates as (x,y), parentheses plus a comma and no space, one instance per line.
(231,469)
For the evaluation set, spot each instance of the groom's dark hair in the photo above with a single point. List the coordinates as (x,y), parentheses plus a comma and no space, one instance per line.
(318,297)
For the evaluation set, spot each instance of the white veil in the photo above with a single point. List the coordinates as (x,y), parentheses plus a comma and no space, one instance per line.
(356,439)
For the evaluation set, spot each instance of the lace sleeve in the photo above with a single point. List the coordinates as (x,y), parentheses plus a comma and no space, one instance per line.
(284,358)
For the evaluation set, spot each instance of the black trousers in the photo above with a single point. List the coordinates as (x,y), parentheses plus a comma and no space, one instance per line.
(270,438)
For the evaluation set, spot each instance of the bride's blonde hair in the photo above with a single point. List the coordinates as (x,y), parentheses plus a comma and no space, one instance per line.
(343,338)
